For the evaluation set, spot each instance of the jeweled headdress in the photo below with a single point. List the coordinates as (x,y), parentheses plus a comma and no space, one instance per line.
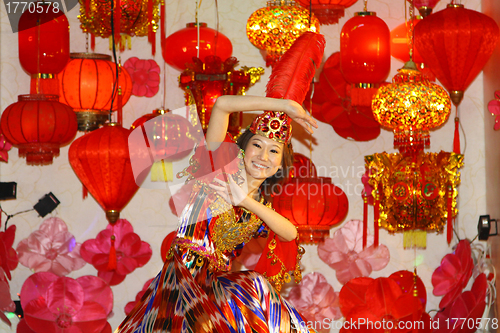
(290,79)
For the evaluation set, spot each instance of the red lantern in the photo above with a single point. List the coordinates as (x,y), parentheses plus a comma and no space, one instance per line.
(101,161)
(169,136)
(182,46)
(38,125)
(332,104)
(365,57)
(327,11)
(456,43)
(130,17)
(43,46)
(86,84)
(313,204)
(302,167)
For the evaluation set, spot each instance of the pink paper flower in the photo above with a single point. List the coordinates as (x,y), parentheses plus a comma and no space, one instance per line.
(494,108)
(6,303)
(145,76)
(51,248)
(62,304)
(8,256)
(5,146)
(463,315)
(130,305)
(344,253)
(130,252)
(315,299)
(452,276)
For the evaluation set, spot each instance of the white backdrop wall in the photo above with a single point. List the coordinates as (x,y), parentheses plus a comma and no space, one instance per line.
(148,211)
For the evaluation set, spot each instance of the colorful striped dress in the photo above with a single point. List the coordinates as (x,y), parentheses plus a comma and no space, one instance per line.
(196,291)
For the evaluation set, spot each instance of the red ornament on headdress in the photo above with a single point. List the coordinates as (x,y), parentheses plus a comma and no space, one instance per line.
(290,79)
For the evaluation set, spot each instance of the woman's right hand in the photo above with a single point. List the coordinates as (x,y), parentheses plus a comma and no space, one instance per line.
(295,111)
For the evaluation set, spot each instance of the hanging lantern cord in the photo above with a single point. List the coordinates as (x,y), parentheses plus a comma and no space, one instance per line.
(411,31)
(216,38)
(366,5)
(115,83)
(310,14)
(197,31)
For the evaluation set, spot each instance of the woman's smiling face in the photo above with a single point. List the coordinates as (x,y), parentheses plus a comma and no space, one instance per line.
(263,157)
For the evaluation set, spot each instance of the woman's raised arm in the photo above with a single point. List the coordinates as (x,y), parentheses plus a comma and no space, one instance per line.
(227,104)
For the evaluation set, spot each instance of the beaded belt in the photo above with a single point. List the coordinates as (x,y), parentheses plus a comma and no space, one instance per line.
(202,252)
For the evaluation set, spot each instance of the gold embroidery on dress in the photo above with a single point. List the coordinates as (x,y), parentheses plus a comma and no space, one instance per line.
(230,230)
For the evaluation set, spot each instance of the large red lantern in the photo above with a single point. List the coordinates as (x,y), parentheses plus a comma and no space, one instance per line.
(456,43)
(365,56)
(313,204)
(38,125)
(332,104)
(43,46)
(87,83)
(180,47)
(327,11)
(101,161)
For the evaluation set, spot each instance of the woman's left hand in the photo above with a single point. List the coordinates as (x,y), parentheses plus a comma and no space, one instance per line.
(295,111)
(229,191)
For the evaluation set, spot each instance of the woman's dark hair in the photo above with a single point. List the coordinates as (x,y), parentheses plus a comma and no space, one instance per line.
(272,184)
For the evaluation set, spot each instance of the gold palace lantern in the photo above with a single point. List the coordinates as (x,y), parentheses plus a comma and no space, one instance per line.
(276,27)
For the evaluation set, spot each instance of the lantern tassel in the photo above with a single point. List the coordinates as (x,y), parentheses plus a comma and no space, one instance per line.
(414,239)
(92,41)
(117,18)
(85,192)
(456,138)
(365,220)
(119,105)
(112,255)
(376,215)
(151,33)
(163,16)
(162,171)
(449,229)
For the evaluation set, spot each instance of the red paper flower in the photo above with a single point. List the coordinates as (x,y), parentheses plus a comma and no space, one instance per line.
(463,314)
(344,253)
(130,305)
(379,305)
(6,303)
(52,248)
(145,76)
(62,304)
(5,146)
(452,276)
(315,299)
(494,108)
(114,262)
(8,256)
